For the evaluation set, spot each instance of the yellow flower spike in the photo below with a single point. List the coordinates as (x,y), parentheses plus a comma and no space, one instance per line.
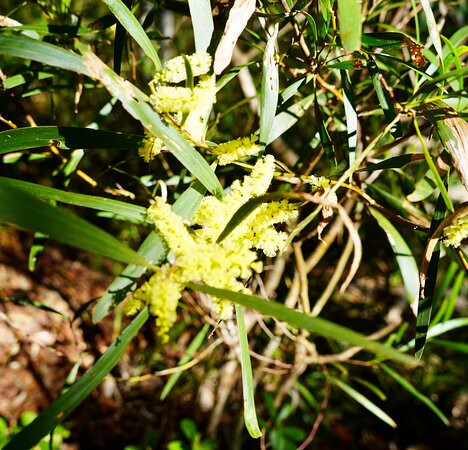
(237,149)
(171,226)
(175,71)
(455,233)
(150,147)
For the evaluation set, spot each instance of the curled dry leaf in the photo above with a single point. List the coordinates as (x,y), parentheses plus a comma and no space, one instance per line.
(454,134)
(239,15)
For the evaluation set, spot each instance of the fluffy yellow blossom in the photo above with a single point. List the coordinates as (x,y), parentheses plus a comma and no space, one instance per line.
(175,70)
(173,99)
(322,184)
(198,257)
(237,149)
(457,232)
(150,147)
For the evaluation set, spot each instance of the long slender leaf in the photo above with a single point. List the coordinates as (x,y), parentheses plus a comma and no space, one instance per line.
(425,304)
(364,401)
(65,138)
(395,162)
(405,259)
(71,198)
(302,321)
(412,390)
(270,87)
(28,48)
(438,329)
(131,24)
(202,20)
(250,415)
(350,23)
(19,208)
(66,403)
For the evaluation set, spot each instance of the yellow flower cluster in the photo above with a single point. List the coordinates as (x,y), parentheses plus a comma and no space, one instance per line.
(237,149)
(172,99)
(456,233)
(322,184)
(198,257)
(150,147)
(175,70)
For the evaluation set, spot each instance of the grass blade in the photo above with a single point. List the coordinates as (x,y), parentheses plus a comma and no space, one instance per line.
(405,259)
(191,350)
(131,24)
(202,20)
(28,48)
(363,401)
(349,18)
(250,416)
(270,87)
(19,208)
(412,390)
(66,403)
(302,321)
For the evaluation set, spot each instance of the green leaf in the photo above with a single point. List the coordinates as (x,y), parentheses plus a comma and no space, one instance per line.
(432,28)
(22,209)
(383,39)
(363,401)
(27,48)
(351,115)
(394,162)
(385,101)
(284,120)
(25,77)
(302,321)
(438,329)
(65,138)
(88,201)
(270,87)
(131,24)
(66,403)
(425,304)
(202,20)
(405,259)
(191,350)
(413,391)
(350,24)
(250,415)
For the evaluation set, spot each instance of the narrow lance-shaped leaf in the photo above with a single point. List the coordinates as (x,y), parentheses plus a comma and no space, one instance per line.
(131,24)
(250,415)
(405,259)
(21,209)
(27,48)
(88,201)
(364,401)
(303,321)
(413,391)
(425,304)
(29,436)
(432,27)
(270,86)
(65,138)
(202,20)
(350,24)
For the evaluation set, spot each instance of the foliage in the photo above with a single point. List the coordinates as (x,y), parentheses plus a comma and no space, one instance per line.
(243,166)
